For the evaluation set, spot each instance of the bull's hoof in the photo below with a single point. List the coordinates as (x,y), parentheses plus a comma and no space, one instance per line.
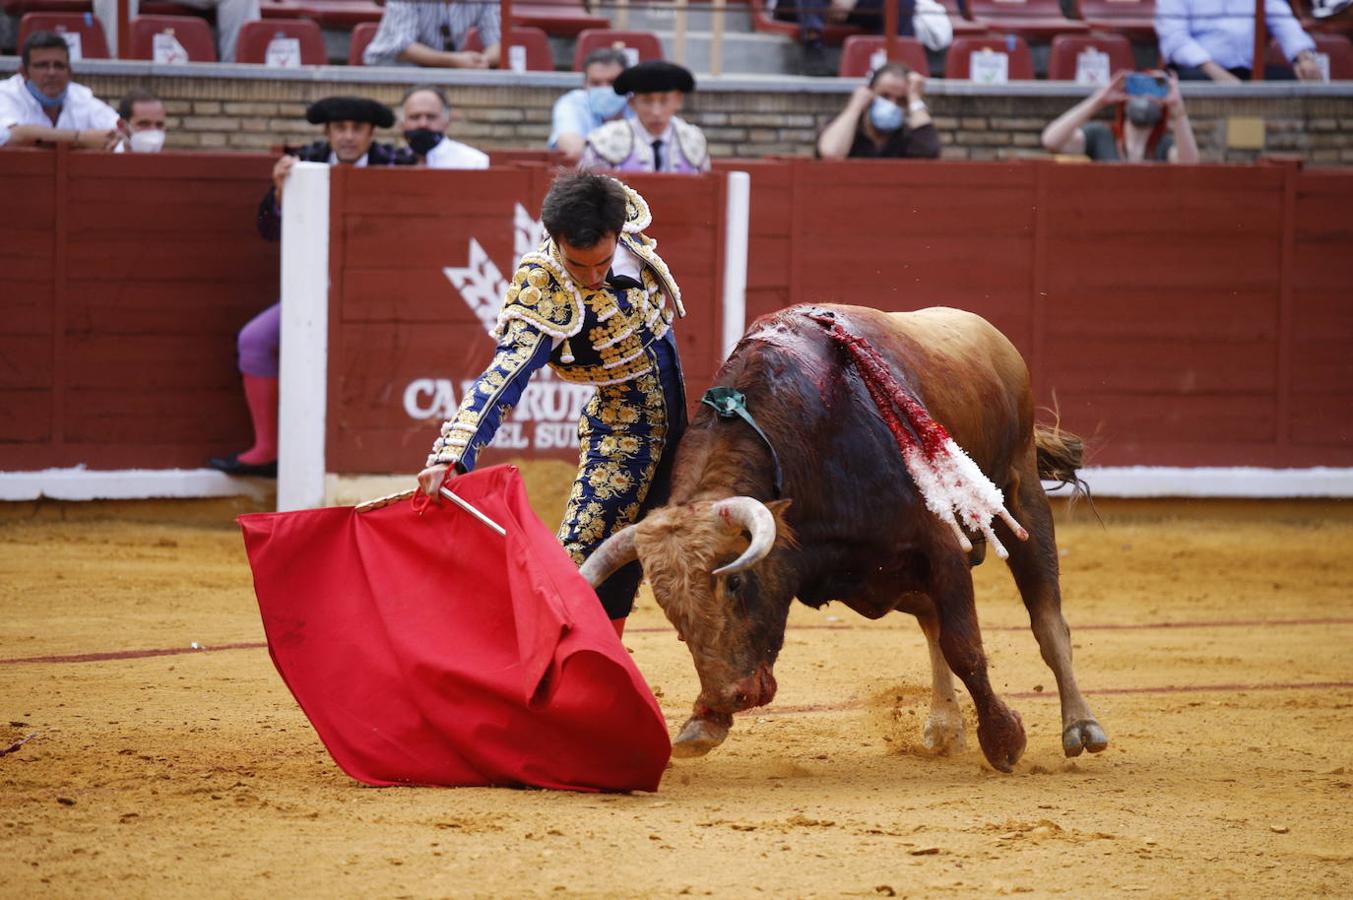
(1084,735)
(943,734)
(698,737)
(1001,735)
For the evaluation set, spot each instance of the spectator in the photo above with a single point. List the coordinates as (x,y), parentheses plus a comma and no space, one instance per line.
(866,14)
(886,118)
(143,119)
(656,139)
(349,131)
(433,32)
(230,18)
(1214,39)
(1142,118)
(41,104)
(426,113)
(583,110)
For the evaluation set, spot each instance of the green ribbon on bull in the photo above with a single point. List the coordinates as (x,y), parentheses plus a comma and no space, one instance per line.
(731,403)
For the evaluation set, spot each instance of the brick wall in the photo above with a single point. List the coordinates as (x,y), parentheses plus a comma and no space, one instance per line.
(219,107)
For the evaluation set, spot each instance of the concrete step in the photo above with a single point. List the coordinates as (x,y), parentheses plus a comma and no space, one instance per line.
(737,17)
(743,54)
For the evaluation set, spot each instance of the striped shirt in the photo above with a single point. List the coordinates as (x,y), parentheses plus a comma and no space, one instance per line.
(437,24)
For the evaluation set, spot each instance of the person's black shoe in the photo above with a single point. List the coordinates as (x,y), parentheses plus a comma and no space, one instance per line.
(231,465)
(815,60)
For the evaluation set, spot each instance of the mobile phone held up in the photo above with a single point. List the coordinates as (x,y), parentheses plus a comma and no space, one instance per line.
(1140,84)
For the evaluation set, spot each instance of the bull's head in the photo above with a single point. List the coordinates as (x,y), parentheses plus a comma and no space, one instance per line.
(712,571)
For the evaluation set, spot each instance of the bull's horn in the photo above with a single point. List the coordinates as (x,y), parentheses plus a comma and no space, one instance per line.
(752,515)
(614,552)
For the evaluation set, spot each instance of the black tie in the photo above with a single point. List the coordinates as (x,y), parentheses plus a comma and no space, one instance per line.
(657,155)
(623,282)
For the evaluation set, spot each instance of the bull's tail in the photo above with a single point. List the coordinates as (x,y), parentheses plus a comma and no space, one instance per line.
(1060,454)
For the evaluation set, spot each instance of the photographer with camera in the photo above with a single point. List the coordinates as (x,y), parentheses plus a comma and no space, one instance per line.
(1150,123)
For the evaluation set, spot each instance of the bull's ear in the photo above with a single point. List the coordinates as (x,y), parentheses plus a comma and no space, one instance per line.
(784,534)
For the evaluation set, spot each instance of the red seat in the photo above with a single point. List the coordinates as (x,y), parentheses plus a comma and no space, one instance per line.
(1337,47)
(963,23)
(192,33)
(357,41)
(1033,20)
(341,15)
(93,45)
(1067,47)
(563,18)
(255,37)
(1020,65)
(645,42)
(539,56)
(1134,19)
(857,55)
(764,21)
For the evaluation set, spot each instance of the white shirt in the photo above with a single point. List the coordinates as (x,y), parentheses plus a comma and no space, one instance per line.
(449,154)
(82,111)
(1192,32)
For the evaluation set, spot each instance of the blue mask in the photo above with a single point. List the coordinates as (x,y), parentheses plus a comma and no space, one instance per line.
(605,102)
(43,99)
(885,115)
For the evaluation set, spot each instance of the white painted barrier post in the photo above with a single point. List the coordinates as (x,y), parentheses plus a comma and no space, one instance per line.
(305,337)
(735,259)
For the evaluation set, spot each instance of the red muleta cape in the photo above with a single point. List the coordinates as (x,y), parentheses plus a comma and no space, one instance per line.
(427,649)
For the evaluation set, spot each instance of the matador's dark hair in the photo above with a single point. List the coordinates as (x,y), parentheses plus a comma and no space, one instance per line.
(583,207)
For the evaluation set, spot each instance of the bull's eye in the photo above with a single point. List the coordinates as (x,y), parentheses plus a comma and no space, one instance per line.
(733,583)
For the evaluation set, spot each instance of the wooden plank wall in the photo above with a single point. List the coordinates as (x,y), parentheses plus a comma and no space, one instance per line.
(399,326)
(1175,316)
(125,280)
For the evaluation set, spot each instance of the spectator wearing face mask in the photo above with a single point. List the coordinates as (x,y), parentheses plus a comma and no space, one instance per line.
(143,119)
(583,110)
(426,113)
(656,139)
(886,118)
(41,105)
(1150,123)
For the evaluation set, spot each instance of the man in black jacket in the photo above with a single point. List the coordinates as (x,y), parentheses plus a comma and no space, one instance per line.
(349,139)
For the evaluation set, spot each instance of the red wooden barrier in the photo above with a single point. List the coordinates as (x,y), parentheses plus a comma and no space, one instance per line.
(1179,316)
(125,279)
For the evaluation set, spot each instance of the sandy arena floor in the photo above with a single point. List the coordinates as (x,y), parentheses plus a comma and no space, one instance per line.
(1213,641)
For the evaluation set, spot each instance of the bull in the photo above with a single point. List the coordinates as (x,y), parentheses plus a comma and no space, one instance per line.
(726,557)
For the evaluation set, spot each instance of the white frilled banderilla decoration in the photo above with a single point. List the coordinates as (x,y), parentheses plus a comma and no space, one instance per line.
(949,481)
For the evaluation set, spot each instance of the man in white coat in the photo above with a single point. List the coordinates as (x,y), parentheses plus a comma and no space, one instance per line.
(41,105)
(426,113)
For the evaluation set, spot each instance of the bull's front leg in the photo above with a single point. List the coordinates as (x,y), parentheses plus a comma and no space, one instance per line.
(703,731)
(999,728)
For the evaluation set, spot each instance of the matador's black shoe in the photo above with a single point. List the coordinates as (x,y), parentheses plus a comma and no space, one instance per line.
(231,465)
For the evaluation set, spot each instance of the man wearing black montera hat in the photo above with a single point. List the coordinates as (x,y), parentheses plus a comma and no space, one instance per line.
(349,140)
(656,139)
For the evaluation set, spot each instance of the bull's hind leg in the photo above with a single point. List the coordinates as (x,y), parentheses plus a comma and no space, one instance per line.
(1034,565)
(999,729)
(943,732)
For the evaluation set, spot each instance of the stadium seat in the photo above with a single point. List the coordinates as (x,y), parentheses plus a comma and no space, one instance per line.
(1033,20)
(93,44)
(783,21)
(1019,63)
(1134,19)
(961,20)
(357,41)
(340,15)
(256,36)
(193,34)
(858,55)
(1338,48)
(645,43)
(1066,48)
(561,18)
(539,56)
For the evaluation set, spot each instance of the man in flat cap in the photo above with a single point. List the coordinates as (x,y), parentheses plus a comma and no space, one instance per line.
(656,139)
(349,140)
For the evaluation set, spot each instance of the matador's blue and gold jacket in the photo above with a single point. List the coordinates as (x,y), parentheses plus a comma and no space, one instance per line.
(598,337)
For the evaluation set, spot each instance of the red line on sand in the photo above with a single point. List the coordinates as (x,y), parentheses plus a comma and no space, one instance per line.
(1048,695)
(176,651)
(130,654)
